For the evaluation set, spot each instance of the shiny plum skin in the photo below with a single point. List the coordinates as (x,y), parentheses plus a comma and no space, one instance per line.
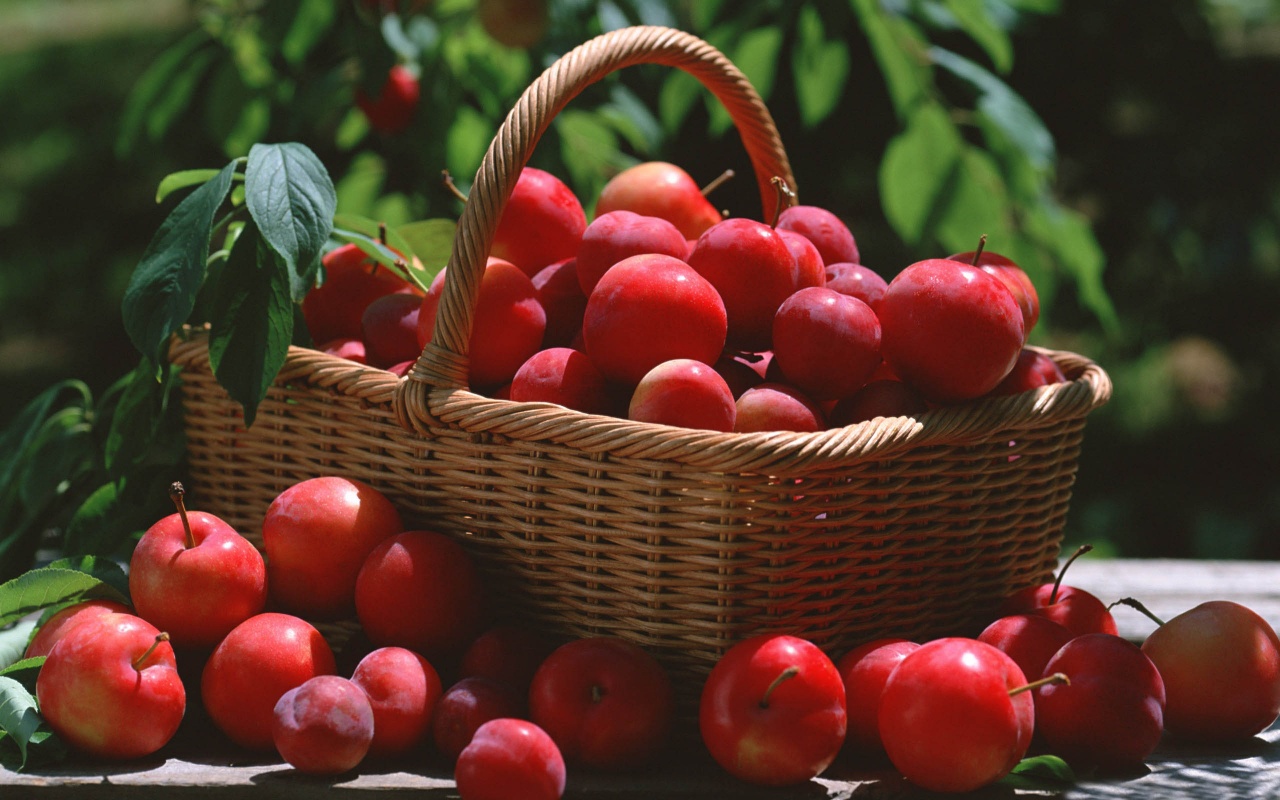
(752,269)
(1111,714)
(685,393)
(660,189)
(403,689)
(542,223)
(324,726)
(865,670)
(826,344)
(947,719)
(777,407)
(828,232)
(509,758)
(420,590)
(649,309)
(857,281)
(950,330)
(261,659)
(508,323)
(564,376)
(1220,662)
(563,301)
(619,235)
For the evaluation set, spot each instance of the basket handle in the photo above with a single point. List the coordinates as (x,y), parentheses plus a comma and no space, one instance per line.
(444,361)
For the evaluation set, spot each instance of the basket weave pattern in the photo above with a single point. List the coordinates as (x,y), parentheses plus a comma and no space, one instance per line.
(681,541)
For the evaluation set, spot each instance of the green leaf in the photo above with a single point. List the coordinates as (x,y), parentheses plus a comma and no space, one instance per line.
(820,68)
(431,240)
(180,180)
(631,118)
(917,166)
(24,670)
(104,569)
(96,515)
(703,13)
(162,291)
(467,140)
(680,91)
(310,24)
(252,321)
(63,451)
(999,106)
(18,715)
(976,202)
(899,49)
(13,643)
(1068,236)
(178,91)
(291,198)
(589,149)
(976,21)
(17,438)
(47,586)
(235,115)
(150,87)
(1040,772)
(133,421)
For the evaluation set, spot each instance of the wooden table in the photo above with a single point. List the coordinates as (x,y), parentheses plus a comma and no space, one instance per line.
(199,764)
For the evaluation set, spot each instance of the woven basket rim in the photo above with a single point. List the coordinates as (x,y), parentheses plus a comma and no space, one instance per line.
(547,423)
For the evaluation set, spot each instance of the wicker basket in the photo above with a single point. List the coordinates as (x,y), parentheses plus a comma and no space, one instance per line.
(682,541)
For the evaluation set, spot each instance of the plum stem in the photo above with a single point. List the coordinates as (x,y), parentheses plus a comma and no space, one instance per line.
(176,493)
(786,198)
(1057,584)
(789,672)
(451,186)
(977,254)
(1055,678)
(1134,603)
(717,182)
(142,659)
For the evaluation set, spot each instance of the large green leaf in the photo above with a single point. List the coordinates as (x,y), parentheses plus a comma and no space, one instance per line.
(467,140)
(62,452)
(1067,234)
(163,289)
(154,83)
(679,93)
(820,67)
(13,643)
(999,106)
(292,200)
(432,242)
(314,18)
(18,716)
(253,320)
(976,204)
(133,421)
(897,46)
(47,586)
(26,426)
(917,169)
(976,20)
(104,569)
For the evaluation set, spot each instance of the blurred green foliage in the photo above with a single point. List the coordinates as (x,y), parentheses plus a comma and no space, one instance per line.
(1072,133)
